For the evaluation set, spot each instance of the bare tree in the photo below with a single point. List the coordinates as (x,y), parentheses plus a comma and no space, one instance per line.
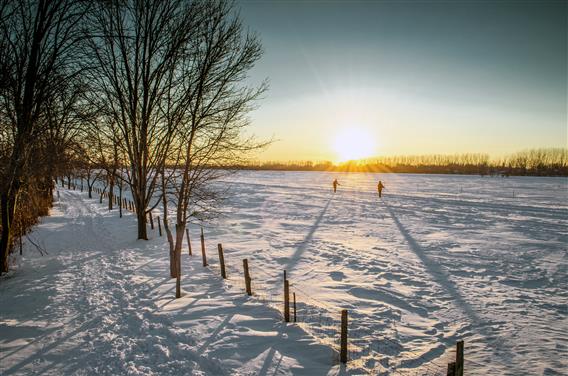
(39,42)
(137,44)
(209,132)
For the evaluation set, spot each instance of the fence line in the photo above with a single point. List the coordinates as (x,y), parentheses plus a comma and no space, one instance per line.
(323,321)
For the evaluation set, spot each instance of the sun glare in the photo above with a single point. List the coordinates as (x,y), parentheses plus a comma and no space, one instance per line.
(353,143)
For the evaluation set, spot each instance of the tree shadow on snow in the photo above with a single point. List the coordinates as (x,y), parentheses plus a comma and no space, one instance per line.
(304,244)
(441,278)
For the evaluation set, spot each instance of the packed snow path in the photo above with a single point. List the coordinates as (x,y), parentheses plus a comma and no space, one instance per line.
(100,303)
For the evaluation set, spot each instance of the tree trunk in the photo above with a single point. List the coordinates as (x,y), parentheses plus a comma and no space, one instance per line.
(171,244)
(110,194)
(172,251)
(167,225)
(141,215)
(120,200)
(179,239)
(7,202)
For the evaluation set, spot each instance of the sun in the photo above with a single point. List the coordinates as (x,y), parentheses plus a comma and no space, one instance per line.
(353,143)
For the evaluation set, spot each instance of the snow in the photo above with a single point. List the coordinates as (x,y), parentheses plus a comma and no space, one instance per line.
(436,260)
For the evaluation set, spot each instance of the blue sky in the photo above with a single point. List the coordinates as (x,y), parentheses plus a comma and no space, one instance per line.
(415,77)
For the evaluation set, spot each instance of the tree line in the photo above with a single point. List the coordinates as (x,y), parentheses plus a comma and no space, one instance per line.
(534,162)
(144,95)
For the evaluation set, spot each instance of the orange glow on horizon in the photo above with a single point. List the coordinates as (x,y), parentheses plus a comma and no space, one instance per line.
(353,144)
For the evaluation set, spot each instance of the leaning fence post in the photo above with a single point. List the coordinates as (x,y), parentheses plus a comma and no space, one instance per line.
(247,277)
(159,226)
(151,220)
(459,358)
(343,352)
(451,369)
(222,261)
(188,241)
(286,301)
(294,296)
(203,248)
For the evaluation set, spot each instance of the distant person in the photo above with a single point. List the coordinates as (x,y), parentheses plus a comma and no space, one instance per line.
(335,184)
(380,188)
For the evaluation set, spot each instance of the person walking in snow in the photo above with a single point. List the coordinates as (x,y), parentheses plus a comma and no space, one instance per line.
(335,184)
(380,188)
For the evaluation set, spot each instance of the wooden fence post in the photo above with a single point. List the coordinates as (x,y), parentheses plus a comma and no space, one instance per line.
(203,248)
(188,241)
(151,220)
(343,352)
(294,296)
(459,358)
(451,369)
(286,301)
(222,261)
(247,277)
(159,226)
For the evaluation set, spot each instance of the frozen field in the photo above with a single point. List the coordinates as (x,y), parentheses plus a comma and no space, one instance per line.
(436,260)
(439,258)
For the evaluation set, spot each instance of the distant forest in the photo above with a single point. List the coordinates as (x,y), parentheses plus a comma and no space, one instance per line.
(534,162)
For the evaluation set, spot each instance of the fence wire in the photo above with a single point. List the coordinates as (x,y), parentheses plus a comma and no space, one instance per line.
(382,355)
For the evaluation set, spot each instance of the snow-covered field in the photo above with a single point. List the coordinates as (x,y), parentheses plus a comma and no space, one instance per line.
(436,260)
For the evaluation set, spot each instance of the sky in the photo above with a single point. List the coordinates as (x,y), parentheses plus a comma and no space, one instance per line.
(352,78)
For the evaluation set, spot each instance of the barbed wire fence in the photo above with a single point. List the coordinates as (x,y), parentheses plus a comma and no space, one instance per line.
(379,356)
